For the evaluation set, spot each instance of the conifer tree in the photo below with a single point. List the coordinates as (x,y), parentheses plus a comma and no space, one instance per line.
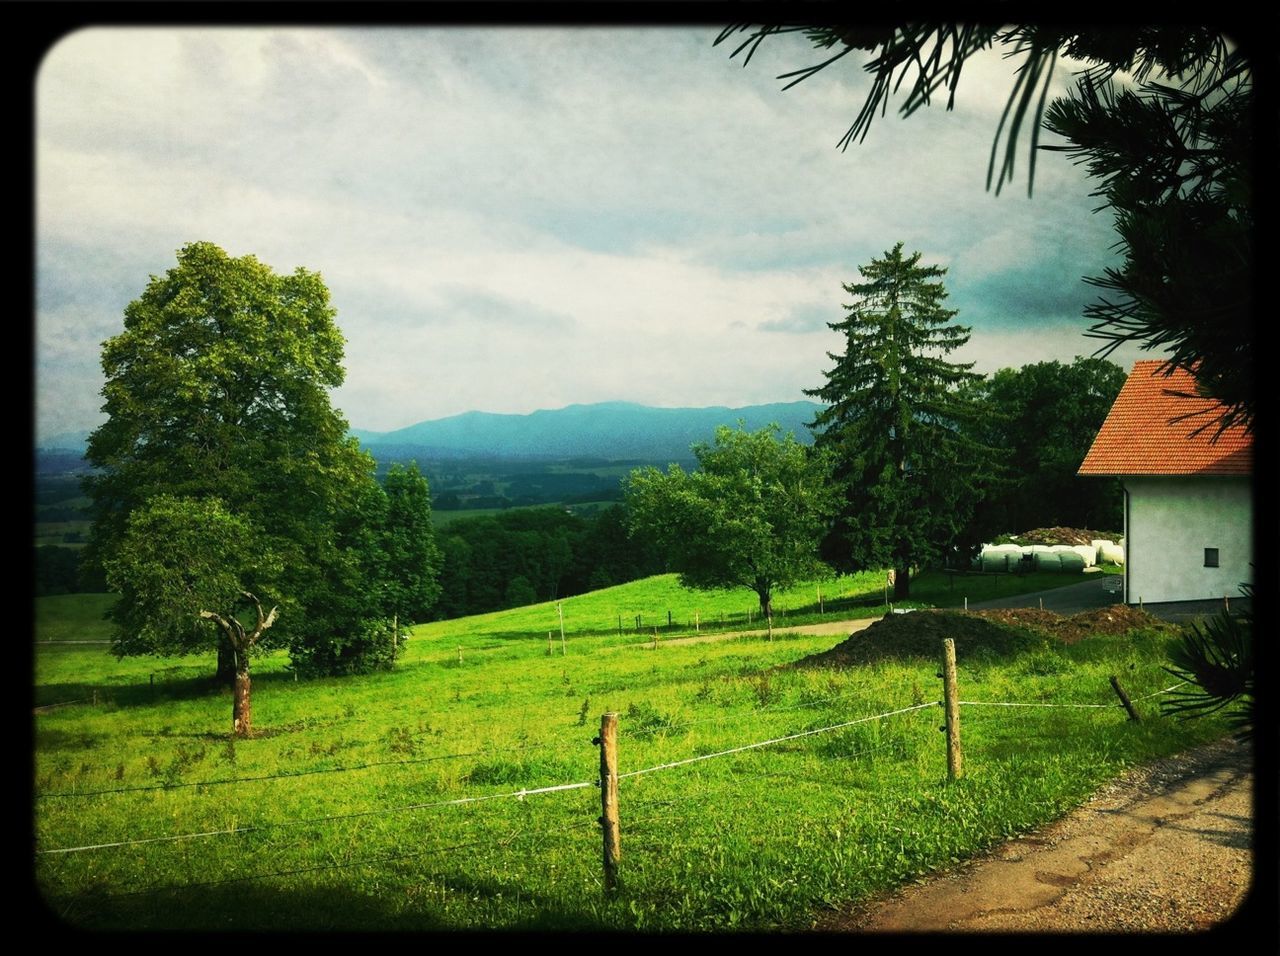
(894,406)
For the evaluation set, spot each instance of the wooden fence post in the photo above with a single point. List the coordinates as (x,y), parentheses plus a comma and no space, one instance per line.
(459,653)
(395,636)
(697,624)
(608,741)
(951,701)
(1124,698)
(550,649)
(655,638)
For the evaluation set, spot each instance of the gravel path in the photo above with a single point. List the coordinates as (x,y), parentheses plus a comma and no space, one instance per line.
(1167,848)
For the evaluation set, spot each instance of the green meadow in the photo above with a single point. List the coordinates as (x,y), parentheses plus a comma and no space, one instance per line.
(660,602)
(394,800)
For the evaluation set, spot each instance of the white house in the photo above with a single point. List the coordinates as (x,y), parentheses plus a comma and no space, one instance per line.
(1188,504)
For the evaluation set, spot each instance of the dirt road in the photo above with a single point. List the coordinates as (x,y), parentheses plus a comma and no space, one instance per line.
(1166,848)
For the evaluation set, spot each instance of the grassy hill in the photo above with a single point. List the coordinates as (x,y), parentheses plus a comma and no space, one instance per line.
(393,800)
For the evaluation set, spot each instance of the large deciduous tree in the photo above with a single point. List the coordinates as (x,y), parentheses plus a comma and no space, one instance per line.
(218,387)
(751,514)
(1171,147)
(893,422)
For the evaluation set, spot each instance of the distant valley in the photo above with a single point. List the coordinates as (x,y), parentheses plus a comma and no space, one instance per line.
(481,461)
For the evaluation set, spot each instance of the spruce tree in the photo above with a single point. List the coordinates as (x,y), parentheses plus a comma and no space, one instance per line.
(892,422)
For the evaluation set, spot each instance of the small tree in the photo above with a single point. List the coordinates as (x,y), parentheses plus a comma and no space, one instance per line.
(751,515)
(184,570)
(893,422)
(409,542)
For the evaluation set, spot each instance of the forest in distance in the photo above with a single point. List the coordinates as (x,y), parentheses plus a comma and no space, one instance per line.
(513,531)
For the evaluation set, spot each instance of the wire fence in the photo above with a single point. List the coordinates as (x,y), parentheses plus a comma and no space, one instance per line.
(518,795)
(776,740)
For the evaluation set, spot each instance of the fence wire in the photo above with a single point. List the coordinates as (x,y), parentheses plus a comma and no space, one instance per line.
(517,794)
(775,740)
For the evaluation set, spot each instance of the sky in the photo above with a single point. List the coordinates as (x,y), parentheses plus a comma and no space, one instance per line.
(511,219)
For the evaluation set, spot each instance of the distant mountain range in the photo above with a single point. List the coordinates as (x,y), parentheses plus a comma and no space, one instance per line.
(608,430)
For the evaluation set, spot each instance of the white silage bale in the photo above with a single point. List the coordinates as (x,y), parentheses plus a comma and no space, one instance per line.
(999,557)
(1088,554)
(995,560)
(1071,560)
(1112,553)
(1047,560)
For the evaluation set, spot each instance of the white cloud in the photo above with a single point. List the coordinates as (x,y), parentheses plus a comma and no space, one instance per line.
(513,219)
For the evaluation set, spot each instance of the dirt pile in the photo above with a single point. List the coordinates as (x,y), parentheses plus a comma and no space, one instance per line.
(1063,536)
(999,631)
(1116,619)
(920,634)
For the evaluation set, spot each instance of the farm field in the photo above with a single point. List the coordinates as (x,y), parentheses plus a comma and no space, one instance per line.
(609,610)
(394,800)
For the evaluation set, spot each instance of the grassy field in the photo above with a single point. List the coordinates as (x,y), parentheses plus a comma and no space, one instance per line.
(343,812)
(56,532)
(660,599)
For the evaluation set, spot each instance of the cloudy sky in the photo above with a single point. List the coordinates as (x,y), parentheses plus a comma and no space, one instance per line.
(513,219)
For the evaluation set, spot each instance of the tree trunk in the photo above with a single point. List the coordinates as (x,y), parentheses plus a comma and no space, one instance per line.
(766,603)
(902,583)
(225,675)
(241,713)
(240,642)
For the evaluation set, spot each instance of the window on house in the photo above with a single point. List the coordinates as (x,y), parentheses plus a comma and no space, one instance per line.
(1210,557)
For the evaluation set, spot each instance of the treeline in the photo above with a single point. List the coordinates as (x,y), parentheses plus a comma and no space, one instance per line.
(537,554)
(1038,422)
(60,570)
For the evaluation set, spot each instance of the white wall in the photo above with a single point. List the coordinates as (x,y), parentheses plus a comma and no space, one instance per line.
(1170,523)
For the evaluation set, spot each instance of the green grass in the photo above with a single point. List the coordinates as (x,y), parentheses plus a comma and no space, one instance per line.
(652,599)
(763,839)
(55,532)
(73,617)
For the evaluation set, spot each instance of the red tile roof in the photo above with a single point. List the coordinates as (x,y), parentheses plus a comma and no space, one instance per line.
(1141,436)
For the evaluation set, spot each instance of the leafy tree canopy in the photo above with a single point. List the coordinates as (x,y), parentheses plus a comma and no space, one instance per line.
(1041,420)
(218,387)
(751,515)
(408,543)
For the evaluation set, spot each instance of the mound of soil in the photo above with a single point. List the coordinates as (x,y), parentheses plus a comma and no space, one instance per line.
(1062,536)
(1116,619)
(1000,631)
(920,634)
